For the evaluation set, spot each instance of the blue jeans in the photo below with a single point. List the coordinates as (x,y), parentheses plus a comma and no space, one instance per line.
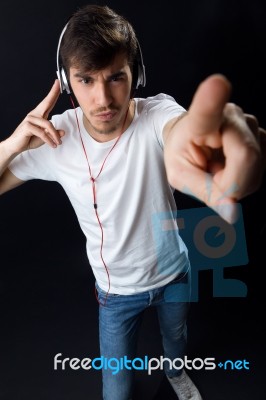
(119,321)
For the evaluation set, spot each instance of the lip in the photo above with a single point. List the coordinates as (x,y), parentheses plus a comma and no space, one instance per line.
(108,116)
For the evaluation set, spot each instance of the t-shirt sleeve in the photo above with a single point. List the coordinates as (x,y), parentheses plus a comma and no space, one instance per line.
(34,164)
(161,109)
(40,163)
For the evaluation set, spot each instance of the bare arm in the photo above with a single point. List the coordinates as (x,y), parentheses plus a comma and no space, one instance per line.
(215,151)
(34,131)
(8,180)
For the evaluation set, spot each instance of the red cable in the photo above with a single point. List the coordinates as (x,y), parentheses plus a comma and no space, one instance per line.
(94,193)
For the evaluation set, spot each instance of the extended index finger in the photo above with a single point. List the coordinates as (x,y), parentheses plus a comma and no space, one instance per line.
(206,110)
(47,104)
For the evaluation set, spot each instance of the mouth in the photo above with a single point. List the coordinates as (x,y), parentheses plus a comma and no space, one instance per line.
(106,116)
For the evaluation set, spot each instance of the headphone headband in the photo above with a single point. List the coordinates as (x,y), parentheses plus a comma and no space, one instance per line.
(62,76)
(141,69)
(60,72)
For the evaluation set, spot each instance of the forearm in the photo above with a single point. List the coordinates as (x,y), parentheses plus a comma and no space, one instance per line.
(8,181)
(6,155)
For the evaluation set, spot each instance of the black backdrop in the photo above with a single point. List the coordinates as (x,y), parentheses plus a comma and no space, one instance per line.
(47,301)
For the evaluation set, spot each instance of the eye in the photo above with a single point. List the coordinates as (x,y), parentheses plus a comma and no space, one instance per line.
(85,81)
(117,78)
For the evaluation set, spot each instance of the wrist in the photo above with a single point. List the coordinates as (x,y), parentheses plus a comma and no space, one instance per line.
(8,149)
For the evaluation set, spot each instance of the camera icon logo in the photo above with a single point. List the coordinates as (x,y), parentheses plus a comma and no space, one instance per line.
(212,243)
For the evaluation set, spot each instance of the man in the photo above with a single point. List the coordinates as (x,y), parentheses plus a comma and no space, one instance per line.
(119,159)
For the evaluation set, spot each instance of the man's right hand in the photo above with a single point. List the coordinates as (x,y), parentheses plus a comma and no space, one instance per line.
(35,129)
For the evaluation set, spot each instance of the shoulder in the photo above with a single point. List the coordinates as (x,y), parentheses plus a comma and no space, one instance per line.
(160,102)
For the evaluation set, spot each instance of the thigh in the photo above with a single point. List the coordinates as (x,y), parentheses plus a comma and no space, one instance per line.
(173,309)
(119,320)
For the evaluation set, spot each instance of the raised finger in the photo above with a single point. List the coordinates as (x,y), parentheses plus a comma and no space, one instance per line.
(206,110)
(36,131)
(47,126)
(47,104)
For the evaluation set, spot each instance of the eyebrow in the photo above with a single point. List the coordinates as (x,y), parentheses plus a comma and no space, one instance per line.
(87,76)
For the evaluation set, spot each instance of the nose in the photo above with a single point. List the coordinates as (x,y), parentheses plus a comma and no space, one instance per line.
(103,95)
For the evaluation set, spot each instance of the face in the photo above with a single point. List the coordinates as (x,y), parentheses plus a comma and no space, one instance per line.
(104,97)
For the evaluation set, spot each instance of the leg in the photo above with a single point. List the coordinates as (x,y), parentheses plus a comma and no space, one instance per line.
(119,320)
(172,317)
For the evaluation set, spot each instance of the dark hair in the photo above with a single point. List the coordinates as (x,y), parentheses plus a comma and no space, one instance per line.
(94,36)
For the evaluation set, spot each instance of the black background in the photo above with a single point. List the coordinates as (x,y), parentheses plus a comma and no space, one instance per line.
(47,300)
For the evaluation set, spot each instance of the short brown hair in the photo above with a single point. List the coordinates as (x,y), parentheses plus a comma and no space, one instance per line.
(94,36)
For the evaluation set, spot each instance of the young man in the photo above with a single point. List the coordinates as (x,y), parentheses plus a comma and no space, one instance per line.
(119,159)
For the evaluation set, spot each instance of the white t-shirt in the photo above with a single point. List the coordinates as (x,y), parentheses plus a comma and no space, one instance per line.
(133,196)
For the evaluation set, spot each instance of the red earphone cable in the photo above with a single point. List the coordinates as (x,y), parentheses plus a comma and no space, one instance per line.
(92,179)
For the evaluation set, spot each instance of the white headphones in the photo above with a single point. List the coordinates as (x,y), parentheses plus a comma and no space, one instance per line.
(62,76)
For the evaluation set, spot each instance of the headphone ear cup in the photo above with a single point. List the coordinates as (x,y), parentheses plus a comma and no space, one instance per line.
(138,72)
(64,85)
(135,76)
(64,81)
(139,77)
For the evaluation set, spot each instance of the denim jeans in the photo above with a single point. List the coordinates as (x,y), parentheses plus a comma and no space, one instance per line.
(119,321)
